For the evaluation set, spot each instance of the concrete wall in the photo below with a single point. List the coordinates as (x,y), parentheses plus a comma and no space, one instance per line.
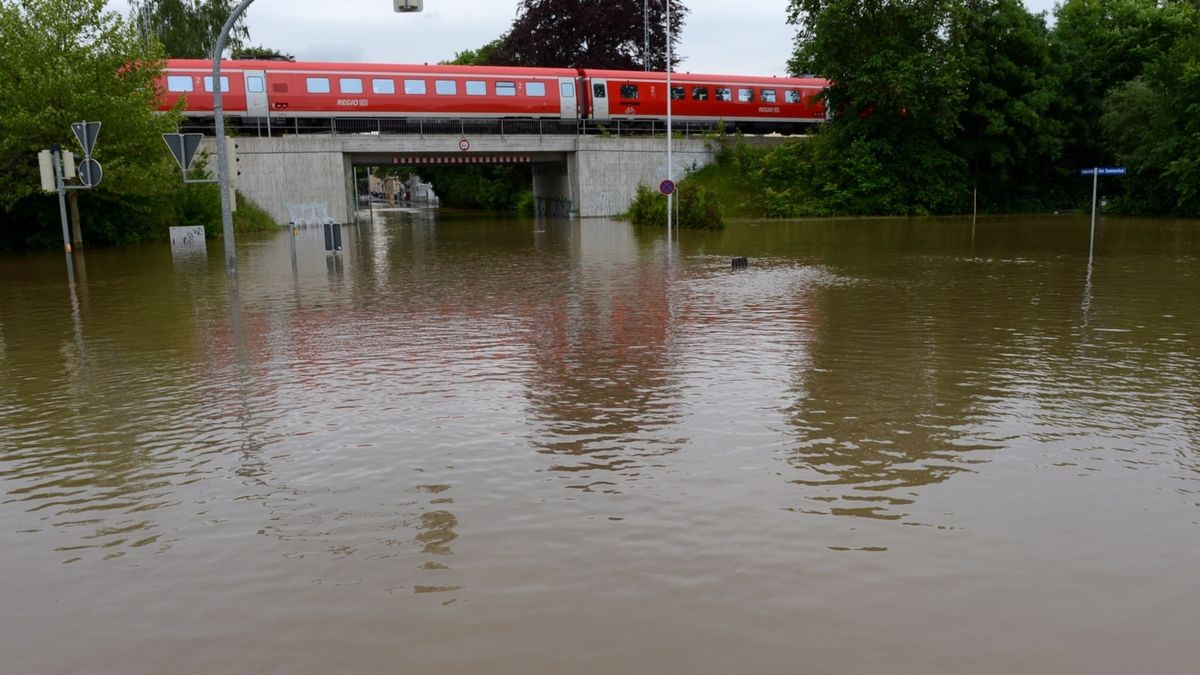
(605,172)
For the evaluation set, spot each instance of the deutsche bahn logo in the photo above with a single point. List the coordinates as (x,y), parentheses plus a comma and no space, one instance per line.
(460,159)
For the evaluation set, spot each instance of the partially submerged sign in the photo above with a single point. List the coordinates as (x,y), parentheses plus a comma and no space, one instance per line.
(187,238)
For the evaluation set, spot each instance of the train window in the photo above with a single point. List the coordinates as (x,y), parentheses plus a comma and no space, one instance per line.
(629,91)
(179,83)
(224,84)
(745,95)
(383,86)
(677,93)
(699,93)
(768,95)
(350,85)
(567,89)
(255,84)
(318,85)
(445,87)
(791,96)
(414,87)
(723,94)
(506,88)
(535,88)
(476,88)
(598,90)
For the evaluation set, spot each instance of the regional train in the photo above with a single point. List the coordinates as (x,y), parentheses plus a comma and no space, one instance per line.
(306,96)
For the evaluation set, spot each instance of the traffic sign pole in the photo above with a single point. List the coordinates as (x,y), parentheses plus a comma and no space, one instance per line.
(60,183)
(1095,172)
(1095,189)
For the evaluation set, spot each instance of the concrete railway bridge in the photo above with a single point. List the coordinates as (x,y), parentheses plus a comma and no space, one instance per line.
(598,174)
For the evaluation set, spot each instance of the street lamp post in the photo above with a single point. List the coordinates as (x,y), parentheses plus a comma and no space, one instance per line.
(670,171)
(219,130)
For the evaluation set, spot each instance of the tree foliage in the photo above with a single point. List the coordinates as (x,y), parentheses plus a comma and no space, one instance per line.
(66,61)
(260,53)
(933,98)
(189,28)
(484,56)
(589,34)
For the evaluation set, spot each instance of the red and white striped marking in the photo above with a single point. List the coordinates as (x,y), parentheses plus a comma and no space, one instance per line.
(458,159)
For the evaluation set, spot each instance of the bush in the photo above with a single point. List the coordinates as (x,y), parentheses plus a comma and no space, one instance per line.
(699,209)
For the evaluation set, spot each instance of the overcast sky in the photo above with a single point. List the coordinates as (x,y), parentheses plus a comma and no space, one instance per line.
(720,36)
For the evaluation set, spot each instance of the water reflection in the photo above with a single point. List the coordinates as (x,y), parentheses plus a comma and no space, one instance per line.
(474,427)
(601,387)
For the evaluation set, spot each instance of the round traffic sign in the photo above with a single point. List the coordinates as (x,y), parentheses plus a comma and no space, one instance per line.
(666,187)
(464,145)
(90,172)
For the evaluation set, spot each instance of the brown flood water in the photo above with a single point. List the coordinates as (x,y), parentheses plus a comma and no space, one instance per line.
(475,446)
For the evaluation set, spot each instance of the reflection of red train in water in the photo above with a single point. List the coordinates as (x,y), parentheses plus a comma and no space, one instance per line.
(308,95)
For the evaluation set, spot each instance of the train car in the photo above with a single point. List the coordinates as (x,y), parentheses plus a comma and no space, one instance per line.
(285,90)
(311,94)
(744,102)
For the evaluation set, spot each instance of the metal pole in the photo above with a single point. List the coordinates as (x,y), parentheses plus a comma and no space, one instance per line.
(222,155)
(646,32)
(60,183)
(670,172)
(1095,185)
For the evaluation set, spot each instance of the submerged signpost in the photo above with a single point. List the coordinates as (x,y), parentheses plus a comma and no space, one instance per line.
(58,165)
(1095,173)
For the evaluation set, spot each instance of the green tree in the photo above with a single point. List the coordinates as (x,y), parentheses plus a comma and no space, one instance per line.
(487,55)
(589,34)
(1102,44)
(1152,125)
(65,61)
(897,92)
(1008,135)
(262,54)
(189,28)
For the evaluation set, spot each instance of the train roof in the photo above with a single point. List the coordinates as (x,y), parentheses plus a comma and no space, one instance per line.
(381,68)
(486,71)
(705,78)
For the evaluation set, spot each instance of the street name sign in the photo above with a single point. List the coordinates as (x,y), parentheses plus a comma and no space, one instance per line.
(1103,171)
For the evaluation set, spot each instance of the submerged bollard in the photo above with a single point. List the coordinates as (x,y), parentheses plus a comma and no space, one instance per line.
(333,237)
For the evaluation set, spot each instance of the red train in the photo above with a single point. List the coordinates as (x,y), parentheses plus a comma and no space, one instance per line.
(310,94)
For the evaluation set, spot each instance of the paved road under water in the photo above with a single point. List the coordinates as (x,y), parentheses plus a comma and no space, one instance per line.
(470,446)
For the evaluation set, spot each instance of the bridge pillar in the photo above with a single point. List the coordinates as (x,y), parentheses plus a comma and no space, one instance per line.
(608,170)
(276,172)
(552,190)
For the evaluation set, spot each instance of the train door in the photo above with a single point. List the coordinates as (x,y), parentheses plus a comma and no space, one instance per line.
(599,99)
(256,93)
(568,98)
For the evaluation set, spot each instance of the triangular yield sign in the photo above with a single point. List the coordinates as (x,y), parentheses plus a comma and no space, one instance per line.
(183,147)
(86,132)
